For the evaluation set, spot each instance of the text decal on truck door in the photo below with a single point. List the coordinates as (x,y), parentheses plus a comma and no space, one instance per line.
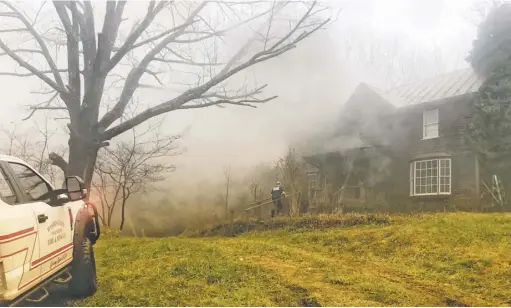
(57,234)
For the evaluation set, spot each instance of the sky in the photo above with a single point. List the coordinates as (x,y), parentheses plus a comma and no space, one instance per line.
(312,83)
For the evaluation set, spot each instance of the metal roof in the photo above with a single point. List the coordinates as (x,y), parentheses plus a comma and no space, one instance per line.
(444,86)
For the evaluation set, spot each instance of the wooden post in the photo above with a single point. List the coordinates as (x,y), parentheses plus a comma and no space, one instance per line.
(247,220)
(232,221)
(478,182)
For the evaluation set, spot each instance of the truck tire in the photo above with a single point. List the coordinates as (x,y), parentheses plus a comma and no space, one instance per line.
(83,266)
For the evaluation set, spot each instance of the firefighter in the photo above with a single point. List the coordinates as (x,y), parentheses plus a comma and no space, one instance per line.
(277,193)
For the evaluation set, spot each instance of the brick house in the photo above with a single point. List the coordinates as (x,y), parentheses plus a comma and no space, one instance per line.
(403,146)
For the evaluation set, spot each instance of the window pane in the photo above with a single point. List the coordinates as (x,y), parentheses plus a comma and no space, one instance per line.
(6,192)
(430,116)
(31,184)
(431,131)
(434,172)
(445,169)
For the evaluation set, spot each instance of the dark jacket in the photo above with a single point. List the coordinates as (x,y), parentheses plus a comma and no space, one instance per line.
(276,192)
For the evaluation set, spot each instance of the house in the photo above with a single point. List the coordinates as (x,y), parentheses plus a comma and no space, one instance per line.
(404,146)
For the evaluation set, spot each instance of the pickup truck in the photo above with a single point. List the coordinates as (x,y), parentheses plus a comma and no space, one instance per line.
(46,235)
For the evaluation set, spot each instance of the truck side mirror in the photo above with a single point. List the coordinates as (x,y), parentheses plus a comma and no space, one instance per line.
(74,187)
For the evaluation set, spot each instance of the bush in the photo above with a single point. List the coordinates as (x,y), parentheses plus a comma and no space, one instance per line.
(308,222)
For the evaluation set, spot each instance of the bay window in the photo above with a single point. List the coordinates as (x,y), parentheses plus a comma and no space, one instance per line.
(430,177)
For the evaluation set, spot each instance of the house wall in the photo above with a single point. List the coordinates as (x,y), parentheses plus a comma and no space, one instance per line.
(403,144)
(408,146)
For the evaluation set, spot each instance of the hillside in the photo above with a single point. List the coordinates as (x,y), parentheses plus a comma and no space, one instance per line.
(431,260)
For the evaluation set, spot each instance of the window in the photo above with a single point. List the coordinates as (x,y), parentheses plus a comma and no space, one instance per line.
(430,124)
(6,192)
(313,183)
(430,177)
(31,184)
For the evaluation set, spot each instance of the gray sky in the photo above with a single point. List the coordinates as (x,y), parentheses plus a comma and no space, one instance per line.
(312,82)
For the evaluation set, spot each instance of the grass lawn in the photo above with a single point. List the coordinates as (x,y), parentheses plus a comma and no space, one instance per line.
(429,260)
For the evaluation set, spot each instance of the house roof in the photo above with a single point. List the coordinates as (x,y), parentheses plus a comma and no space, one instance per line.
(440,87)
(362,114)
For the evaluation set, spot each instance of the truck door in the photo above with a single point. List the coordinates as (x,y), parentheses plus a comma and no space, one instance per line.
(54,222)
(18,237)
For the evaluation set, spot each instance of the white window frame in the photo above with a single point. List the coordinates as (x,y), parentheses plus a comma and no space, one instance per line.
(431,124)
(313,180)
(420,171)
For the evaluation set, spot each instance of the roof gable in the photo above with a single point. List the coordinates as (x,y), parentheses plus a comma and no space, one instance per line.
(367,97)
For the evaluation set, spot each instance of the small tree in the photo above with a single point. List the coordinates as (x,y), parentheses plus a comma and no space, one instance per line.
(291,170)
(127,168)
(33,147)
(255,188)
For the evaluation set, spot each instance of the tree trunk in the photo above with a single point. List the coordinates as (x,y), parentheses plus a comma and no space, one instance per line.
(82,160)
(122,220)
(123,206)
(122,217)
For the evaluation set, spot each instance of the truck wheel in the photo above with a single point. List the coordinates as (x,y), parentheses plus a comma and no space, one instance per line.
(83,270)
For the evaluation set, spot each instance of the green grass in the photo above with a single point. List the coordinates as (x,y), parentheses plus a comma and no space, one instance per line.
(430,260)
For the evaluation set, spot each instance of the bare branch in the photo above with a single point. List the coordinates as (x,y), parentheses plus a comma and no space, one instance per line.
(29,74)
(155,75)
(44,49)
(244,102)
(159,36)
(22,50)
(135,34)
(137,72)
(187,62)
(72,28)
(31,68)
(195,93)
(13,30)
(46,106)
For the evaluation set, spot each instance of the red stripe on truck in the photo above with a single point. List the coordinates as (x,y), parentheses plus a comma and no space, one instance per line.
(52,254)
(17,233)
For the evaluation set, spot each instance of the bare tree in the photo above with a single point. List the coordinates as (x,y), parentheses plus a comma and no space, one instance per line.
(227,175)
(173,38)
(128,168)
(291,169)
(33,147)
(255,188)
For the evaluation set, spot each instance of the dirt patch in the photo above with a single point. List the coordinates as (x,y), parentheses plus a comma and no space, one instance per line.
(304,298)
(454,303)
(310,222)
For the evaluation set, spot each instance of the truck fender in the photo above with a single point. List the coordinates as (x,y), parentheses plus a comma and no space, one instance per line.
(83,226)
(96,232)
